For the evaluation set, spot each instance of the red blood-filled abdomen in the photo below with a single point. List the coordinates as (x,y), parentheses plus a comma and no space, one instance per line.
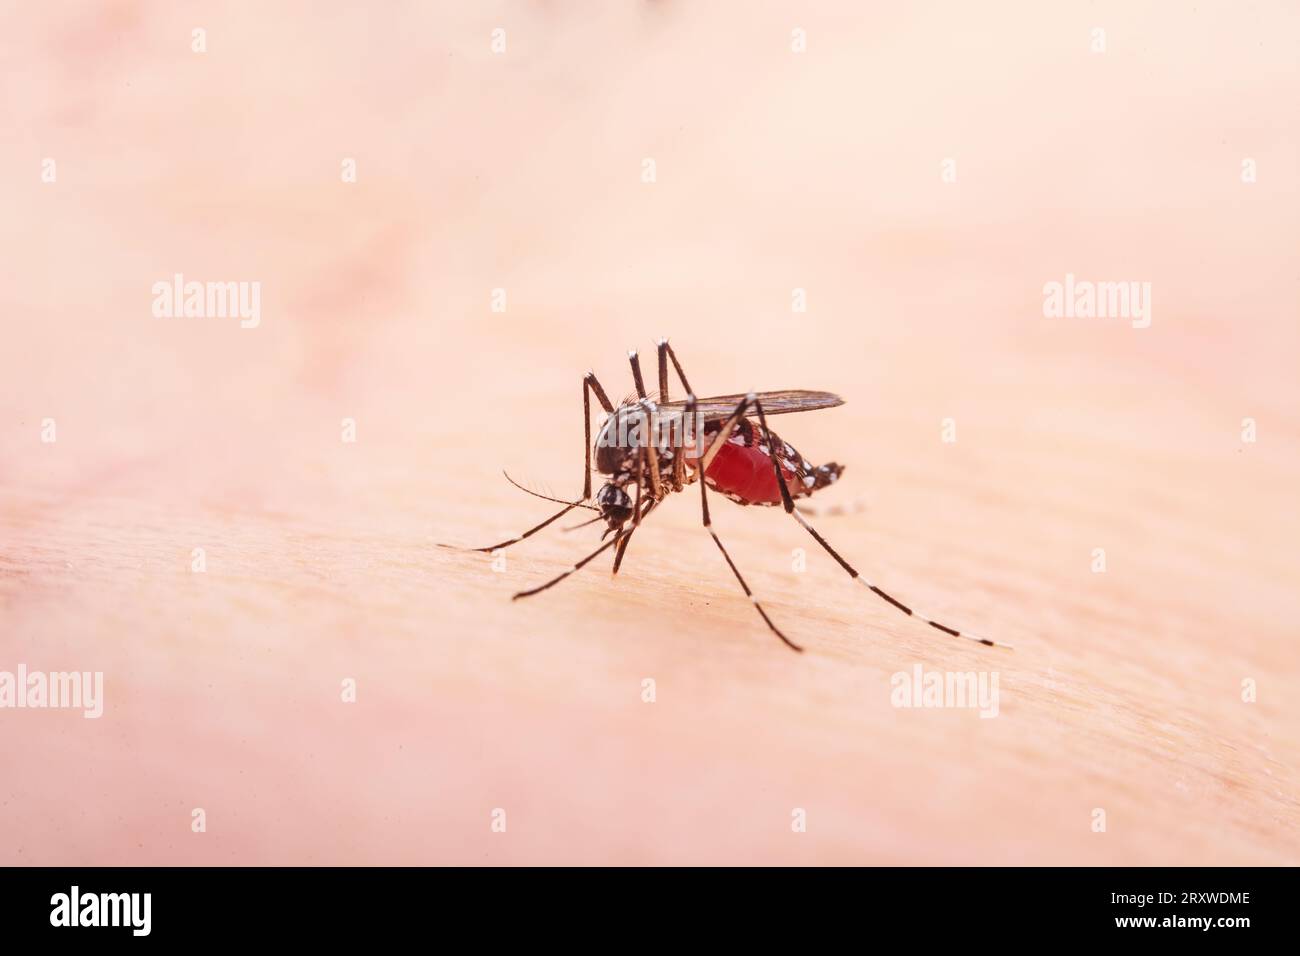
(747,473)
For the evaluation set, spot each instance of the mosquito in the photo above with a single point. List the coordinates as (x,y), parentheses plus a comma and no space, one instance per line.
(649,448)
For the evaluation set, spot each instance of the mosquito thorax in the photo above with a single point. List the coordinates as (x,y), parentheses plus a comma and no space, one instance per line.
(619,440)
(629,429)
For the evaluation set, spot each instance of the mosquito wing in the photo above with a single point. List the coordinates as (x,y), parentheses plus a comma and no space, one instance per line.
(774,403)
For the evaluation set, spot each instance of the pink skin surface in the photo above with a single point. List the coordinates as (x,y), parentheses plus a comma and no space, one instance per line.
(920,172)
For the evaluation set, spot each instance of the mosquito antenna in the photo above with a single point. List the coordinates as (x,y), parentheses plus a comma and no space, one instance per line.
(537,494)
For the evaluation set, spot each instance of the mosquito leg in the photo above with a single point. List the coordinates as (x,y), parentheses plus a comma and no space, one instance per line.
(636,515)
(650,418)
(636,523)
(591,382)
(788,503)
(704,495)
(680,427)
(644,457)
(636,373)
(663,370)
(557,579)
(527,534)
(667,350)
(704,505)
(589,385)
(640,480)
(724,432)
(585,561)
(679,464)
(622,547)
(639,514)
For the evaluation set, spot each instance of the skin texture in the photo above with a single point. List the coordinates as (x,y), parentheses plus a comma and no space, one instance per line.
(775,171)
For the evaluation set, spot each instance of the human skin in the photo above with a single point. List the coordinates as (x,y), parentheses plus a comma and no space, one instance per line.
(774,171)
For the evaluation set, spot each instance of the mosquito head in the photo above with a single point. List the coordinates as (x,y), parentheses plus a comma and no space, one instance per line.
(615,505)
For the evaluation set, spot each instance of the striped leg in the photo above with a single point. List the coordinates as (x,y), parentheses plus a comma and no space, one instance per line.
(636,373)
(589,385)
(636,515)
(666,354)
(587,560)
(527,534)
(704,502)
(650,452)
(622,549)
(788,503)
